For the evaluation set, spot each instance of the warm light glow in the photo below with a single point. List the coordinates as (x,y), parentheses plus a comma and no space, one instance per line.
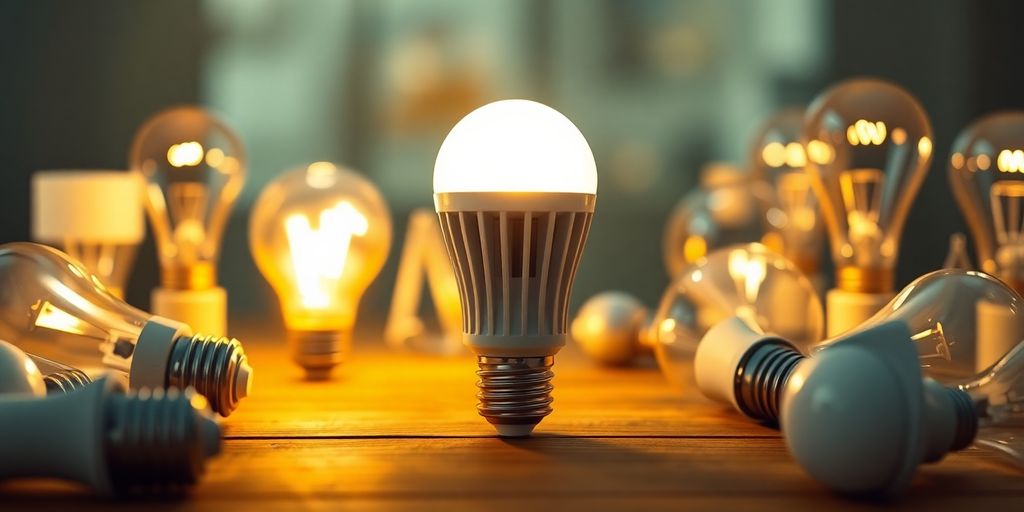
(694,248)
(924,147)
(775,154)
(515,146)
(185,154)
(866,133)
(820,152)
(319,255)
(748,271)
(215,157)
(862,199)
(52,317)
(1009,160)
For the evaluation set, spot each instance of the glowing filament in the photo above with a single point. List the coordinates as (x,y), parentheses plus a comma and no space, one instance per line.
(866,133)
(797,199)
(52,317)
(931,344)
(185,154)
(748,272)
(319,255)
(1010,161)
(862,197)
(1007,214)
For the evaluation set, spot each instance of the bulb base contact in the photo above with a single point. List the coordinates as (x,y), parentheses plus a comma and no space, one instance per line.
(318,352)
(215,366)
(515,392)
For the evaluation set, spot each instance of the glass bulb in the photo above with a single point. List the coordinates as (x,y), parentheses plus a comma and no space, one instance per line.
(515,188)
(194,166)
(998,395)
(986,173)
(320,234)
(777,157)
(726,209)
(53,308)
(749,281)
(515,146)
(868,146)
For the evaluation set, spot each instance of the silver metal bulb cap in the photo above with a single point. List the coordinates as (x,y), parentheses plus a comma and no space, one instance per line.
(761,379)
(157,439)
(515,392)
(65,381)
(216,366)
(319,352)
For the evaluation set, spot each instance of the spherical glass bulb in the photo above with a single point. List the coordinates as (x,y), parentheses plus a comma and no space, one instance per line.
(194,166)
(868,146)
(726,209)
(749,281)
(320,234)
(515,146)
(986,172)
(777,157)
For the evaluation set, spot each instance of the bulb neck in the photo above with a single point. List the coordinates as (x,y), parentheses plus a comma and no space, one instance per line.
(515,392)
(65,381)
(157,439)
(761,379)
(864,280)
(200,275)
(216,366)
(319,352)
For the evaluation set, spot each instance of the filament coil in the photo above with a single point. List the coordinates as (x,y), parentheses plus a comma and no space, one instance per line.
(761,379)
(515,390)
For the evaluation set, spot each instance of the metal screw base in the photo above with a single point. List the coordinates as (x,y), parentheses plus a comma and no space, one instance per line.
(966,419)
(157,439)
(515,392)
(65,381)
(215,366)
(761,379)
(318,352)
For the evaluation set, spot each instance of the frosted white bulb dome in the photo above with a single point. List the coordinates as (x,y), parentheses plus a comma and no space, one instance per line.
(515,146)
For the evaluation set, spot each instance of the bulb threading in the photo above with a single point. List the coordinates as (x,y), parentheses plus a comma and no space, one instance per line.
(216,366)
(515,390)
(966,419)
(761,379)
(65,381)
(318,352)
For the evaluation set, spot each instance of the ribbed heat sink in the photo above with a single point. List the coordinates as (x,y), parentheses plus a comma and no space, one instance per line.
(515,269)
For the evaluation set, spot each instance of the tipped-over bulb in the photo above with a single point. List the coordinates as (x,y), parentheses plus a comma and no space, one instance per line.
(52,307)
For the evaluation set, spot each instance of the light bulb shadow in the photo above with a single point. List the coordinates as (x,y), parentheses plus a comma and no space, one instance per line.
(567,452)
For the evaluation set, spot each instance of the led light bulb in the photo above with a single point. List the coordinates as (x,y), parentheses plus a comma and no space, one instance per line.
(94,216)
(611,328)
(860,418)
(515,185)
(727,209)
(106,439)
(868,146)
(941,314)
(194,166)
(320,234)
(52,307)
(777,157)
(986,173)
(749,281)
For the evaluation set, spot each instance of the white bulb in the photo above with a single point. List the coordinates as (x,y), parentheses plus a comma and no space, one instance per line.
(515,146)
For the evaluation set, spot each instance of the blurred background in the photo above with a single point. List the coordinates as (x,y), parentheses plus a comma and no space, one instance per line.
(658,87)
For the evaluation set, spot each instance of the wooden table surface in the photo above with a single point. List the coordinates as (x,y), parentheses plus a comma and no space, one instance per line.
(400,431)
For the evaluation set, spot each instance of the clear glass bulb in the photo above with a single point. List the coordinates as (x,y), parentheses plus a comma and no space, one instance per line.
(515,187)
(194,166)
(868,146)
(986,173)
(749,281)
(53,308)
(727,209)
(777,157)
(946,311)
(998,395)
(320,234)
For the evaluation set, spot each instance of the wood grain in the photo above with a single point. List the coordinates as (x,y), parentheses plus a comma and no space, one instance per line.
(399,431)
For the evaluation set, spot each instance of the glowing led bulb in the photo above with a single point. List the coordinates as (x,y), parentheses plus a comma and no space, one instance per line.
(868,146)
(320,234)
(194,166)
(778,158)
(515,187)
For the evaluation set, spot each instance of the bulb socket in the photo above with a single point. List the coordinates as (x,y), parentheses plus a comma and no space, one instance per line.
(966,419)
(318,352)
(216,366)
(157,439)
(864,280)
(514,390)
(200,275)
(65,381)
(761,379)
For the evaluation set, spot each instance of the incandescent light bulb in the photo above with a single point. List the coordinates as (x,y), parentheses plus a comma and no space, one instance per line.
(320,234)
(515,185)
